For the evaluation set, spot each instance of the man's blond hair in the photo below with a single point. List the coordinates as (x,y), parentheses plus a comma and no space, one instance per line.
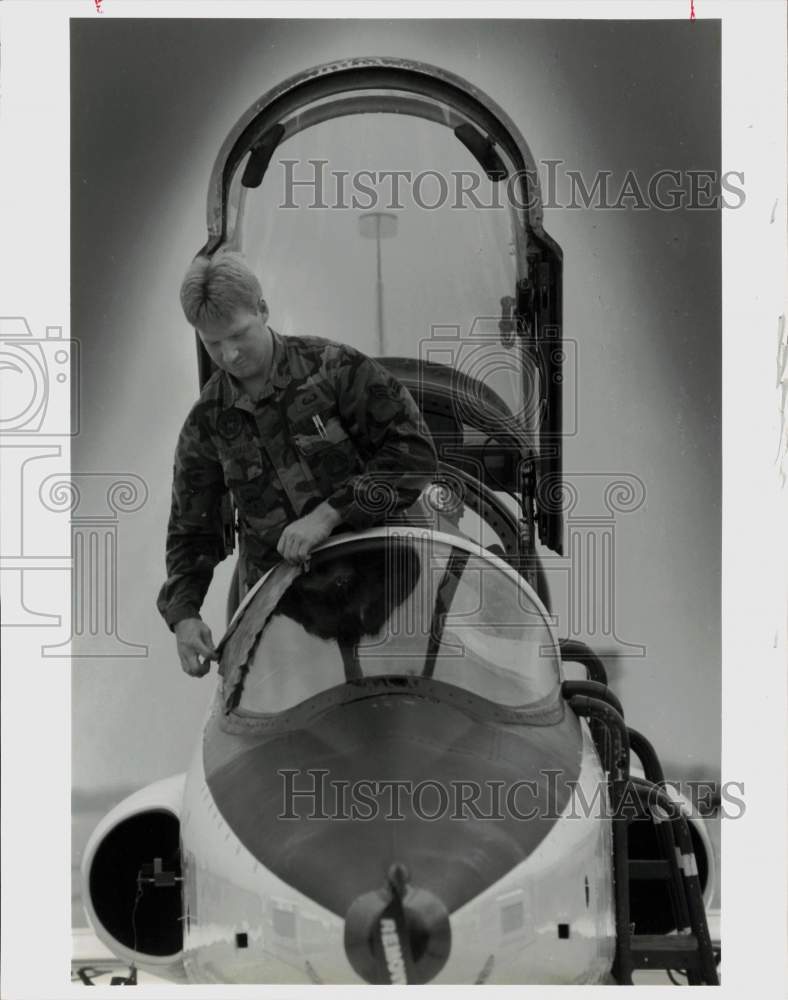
(215,288)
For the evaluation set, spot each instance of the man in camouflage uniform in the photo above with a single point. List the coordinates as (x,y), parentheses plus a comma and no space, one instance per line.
(305,434)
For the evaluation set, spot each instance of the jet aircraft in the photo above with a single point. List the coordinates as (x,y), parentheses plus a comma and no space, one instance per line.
(397,780)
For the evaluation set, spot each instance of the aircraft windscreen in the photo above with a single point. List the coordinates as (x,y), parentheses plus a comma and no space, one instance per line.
(401,605)
(383,231)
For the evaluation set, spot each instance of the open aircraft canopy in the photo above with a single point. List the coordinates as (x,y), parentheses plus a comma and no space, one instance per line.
(393,603)
(385,181)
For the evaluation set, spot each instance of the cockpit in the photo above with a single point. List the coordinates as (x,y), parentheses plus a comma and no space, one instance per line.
(393,602)
(391,206)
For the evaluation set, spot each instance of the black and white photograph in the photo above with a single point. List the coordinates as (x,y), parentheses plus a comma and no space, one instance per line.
(394,456)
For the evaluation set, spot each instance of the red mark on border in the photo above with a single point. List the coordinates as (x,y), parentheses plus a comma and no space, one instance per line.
(692,9)
(97,4)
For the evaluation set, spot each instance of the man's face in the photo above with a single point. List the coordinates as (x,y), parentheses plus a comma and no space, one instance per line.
(240,345)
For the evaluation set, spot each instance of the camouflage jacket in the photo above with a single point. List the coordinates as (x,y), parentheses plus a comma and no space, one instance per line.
(331,425)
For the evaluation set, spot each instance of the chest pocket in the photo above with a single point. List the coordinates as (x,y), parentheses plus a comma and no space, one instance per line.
(241,462)
(323,444)
(256,491)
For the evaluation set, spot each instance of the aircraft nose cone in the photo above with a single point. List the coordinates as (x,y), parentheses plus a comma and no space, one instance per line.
(398,934)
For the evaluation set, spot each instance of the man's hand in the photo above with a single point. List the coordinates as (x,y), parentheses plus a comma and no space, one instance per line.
(194,641)
(299,538)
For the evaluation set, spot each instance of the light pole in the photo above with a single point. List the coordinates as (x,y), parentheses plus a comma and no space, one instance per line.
(378,226)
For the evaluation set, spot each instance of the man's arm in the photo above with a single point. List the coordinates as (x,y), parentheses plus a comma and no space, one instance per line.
(390,434)
(195,536)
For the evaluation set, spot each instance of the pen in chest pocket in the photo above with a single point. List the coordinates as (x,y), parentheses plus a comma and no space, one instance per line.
(320,426)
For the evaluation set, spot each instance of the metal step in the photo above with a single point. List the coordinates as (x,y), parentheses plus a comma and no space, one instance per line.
(665,951)
(649,869)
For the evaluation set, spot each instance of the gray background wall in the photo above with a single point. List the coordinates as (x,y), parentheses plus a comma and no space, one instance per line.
(151,102)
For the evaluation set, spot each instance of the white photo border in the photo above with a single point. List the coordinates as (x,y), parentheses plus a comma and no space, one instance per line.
(34,135)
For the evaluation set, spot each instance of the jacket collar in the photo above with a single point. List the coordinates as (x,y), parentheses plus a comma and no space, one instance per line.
(234,394)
